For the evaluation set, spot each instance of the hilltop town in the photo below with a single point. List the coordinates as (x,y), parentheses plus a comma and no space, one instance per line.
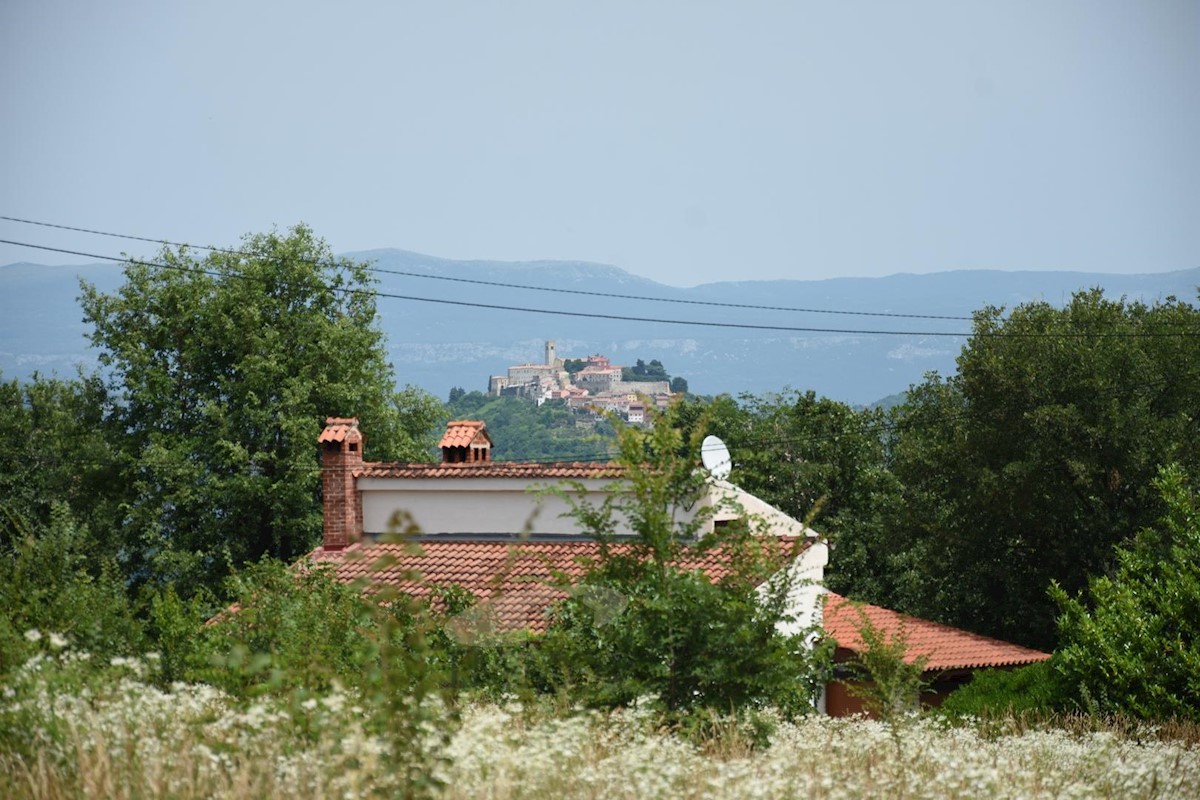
(592,384)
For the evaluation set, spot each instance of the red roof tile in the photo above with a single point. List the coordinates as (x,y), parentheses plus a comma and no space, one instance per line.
(946,647)
(338,428)
(493,469)
(517,581)
(463,433)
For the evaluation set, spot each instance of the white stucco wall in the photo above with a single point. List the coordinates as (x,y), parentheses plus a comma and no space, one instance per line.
(513,505)
(471,505)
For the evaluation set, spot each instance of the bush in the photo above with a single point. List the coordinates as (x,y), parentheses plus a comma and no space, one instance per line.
(49,584)
(641,625)
(290,628)
(1036,688)
(1135,647)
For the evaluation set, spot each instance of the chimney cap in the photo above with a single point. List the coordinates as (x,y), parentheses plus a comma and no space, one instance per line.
(340,429)
(464,433)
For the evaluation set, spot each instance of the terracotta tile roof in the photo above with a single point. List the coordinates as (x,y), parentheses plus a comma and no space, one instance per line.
(493,469)
(463,432)
(946,647)
(338,428)
(515,581)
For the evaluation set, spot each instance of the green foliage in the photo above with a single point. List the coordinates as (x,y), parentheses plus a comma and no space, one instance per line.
(51,584)
(222,372)
(993,693)
(883,677)
(1036,459)
(642,624)
(57,450)
(1134,647)
(814,459)
(679,385)
(297,634)
(523,430)
(641,371)
(291,628)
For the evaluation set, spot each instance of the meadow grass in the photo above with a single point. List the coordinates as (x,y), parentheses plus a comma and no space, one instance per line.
(122,736)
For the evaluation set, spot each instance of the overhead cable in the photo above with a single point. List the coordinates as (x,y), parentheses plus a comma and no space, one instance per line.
(495,284)
(627,318)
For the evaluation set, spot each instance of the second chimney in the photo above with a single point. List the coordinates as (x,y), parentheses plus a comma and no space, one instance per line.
(466,441)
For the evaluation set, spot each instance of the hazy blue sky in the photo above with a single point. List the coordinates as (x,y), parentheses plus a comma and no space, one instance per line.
(684,141)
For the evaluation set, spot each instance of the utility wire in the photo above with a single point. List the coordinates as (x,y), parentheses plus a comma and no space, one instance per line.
(498,284)
(495,307)
(626,318)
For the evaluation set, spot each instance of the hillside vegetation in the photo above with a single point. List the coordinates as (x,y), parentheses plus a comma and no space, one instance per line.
(525,431)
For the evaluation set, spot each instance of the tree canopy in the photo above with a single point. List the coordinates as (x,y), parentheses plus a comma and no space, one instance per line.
(1038,457)
(221,371)
(965,500)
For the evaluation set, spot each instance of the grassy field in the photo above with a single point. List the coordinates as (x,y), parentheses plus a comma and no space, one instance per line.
(123,737)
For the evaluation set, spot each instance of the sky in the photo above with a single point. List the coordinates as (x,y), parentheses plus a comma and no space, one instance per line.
(686,142)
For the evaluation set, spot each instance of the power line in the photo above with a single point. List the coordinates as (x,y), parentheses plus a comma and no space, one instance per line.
(497,284)
(495,307)
(626,318)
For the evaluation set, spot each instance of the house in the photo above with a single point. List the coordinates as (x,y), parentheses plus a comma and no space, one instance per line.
(951,654)
(485,526)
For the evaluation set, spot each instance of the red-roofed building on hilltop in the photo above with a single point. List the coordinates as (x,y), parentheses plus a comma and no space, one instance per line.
(504,532)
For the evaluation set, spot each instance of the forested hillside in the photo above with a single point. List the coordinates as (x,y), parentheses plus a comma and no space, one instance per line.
(525,431)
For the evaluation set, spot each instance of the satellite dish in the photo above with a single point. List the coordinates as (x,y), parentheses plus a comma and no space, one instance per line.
(715,457)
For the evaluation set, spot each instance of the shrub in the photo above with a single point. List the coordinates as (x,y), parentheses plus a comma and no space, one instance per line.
(1036,688)
(48,583)
(1135,647)
(640,624)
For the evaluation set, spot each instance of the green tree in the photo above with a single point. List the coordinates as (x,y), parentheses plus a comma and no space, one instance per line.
(885,679)
(1134,646)
(679,385)
(222,370)
(1037,457)
(641,371)
(815,459)
(641,622)
(57,450)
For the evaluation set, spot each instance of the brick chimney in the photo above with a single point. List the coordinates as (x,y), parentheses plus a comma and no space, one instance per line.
(341,454)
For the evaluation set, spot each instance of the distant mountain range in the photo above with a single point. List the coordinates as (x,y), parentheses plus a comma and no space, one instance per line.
(475,329)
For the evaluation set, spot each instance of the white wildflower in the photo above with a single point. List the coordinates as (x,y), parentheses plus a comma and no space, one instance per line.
(33,635)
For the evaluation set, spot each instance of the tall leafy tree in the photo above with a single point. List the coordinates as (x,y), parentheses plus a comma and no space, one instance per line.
(1134,646)
(222,370)
(1038,456)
